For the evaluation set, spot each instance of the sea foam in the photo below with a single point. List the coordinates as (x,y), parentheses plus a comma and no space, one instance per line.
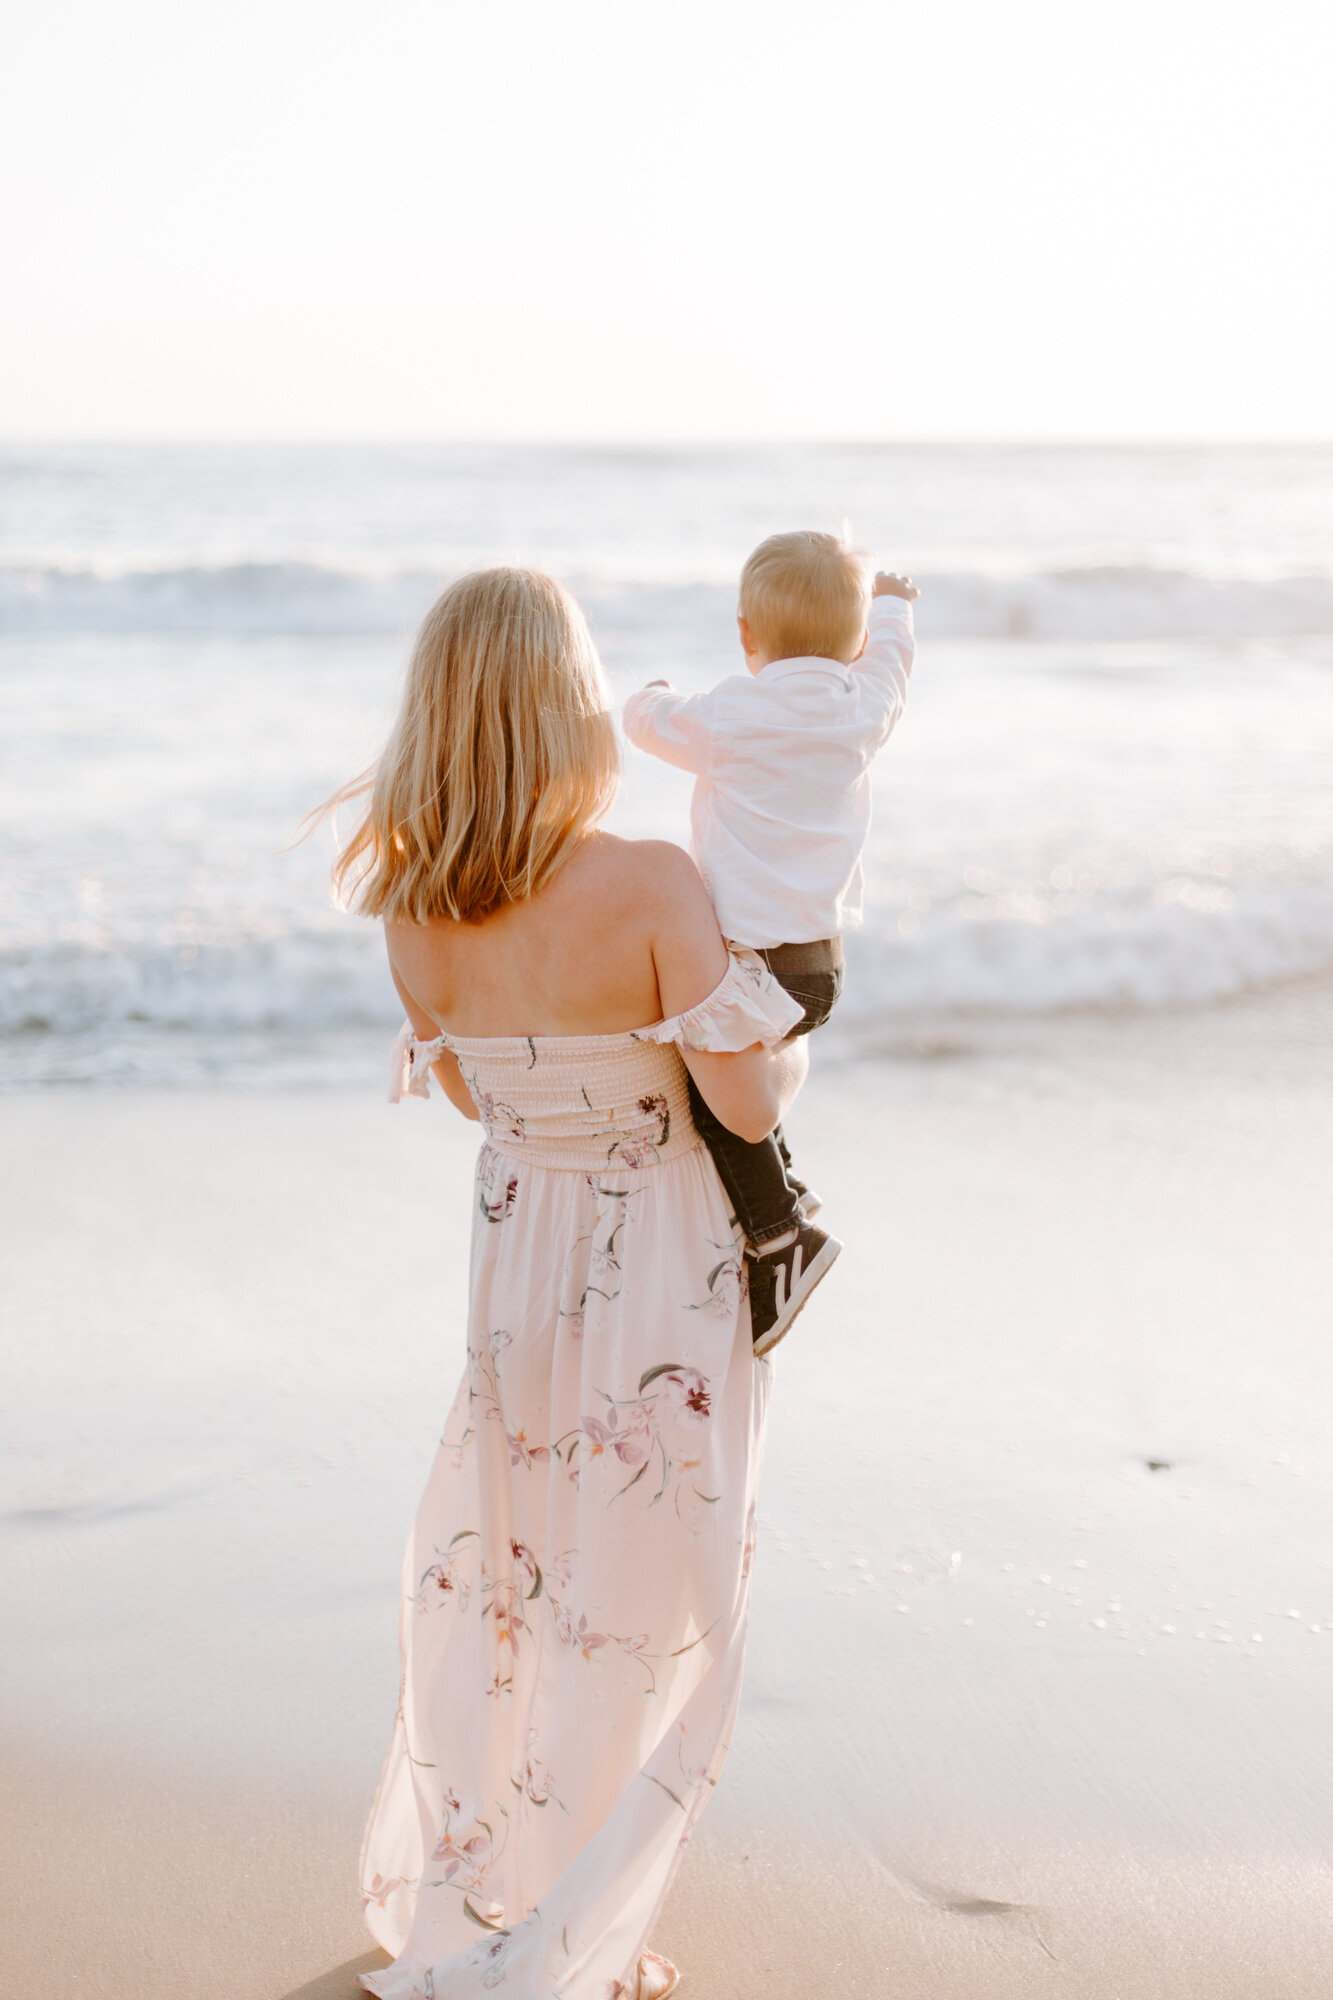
(111,1007)
(308,599)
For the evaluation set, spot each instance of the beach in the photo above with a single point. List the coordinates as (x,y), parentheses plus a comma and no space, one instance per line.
(1038,1686)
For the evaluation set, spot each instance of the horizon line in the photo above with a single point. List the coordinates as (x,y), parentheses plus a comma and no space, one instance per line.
(584,441)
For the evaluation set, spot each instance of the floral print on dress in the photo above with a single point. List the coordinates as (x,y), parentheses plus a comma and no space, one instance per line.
(534,1782)
(378,1891)
(483,1384)
(575,1591)
(595,1271)
(725,1285)
(493,1962)
(522,1451)
(444,1583)
(497,1186)
(640,1141)
(575,1630)
(463,1857)
(637,1430)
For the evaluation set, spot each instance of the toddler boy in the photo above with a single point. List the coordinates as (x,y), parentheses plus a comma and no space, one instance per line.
(779,820)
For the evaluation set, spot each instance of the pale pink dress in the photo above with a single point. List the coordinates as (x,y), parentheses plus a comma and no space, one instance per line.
(576,1582)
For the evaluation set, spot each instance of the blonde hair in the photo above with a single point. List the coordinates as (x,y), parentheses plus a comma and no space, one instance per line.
(503,756)
(806,593)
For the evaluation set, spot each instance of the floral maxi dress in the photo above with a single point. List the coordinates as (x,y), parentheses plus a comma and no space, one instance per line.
(576,1580)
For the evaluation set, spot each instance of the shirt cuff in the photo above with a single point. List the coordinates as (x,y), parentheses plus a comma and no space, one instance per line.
(884,609)
(635,715)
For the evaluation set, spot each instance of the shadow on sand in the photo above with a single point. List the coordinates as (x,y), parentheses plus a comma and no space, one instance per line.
(341,1982)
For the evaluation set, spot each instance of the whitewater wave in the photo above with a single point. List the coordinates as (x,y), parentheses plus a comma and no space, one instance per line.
(305,978)
(1126,603)
(271,1002)
(1183,944)
(252,599)
(307,599)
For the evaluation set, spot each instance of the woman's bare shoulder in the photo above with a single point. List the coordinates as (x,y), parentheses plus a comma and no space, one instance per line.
(652,876)
(673,916)
(421,957)
(649,894)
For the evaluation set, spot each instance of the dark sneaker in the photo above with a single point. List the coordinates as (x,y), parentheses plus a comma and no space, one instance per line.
(781,1283)
(808,1201)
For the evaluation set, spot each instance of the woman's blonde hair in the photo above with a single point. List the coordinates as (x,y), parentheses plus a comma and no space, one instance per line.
(805,595)
(503,755)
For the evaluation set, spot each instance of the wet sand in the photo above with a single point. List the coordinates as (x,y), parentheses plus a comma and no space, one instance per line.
(148,1884)
(1041,1667)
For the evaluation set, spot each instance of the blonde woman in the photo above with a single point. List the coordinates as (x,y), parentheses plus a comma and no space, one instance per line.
(576,1581)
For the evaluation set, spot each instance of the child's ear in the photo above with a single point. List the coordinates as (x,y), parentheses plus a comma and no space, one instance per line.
(747,637)
(865,640)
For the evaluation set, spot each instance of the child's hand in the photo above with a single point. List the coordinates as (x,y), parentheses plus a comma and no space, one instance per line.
(887,585)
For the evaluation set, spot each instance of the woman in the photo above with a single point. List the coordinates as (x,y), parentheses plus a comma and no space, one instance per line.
(576,1582)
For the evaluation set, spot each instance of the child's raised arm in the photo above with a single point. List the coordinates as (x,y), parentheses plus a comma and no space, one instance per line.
(671,726)
(886,660)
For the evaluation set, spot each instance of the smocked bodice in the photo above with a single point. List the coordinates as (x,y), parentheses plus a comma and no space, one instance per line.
(589,1102)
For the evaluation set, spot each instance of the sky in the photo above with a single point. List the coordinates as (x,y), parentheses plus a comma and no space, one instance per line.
(277,218)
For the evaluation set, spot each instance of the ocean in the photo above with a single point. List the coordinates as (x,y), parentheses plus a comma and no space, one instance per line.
(1113,786)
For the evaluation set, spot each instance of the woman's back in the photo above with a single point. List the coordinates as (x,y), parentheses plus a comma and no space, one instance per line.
(621,935)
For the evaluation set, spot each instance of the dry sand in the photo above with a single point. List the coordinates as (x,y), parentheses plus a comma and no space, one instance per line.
(1023,1715)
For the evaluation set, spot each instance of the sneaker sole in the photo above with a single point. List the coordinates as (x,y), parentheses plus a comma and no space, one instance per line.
(810,1279)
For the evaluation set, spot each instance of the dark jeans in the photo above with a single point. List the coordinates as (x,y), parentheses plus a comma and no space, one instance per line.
(762,1189)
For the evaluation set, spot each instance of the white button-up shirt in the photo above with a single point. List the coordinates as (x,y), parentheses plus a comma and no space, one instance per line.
(781,806)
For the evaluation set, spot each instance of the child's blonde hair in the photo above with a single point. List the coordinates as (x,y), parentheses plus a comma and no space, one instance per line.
(503,755)
(806,594)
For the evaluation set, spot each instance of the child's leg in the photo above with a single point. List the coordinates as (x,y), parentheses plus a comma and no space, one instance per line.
(765,1204)
(764,1193)
(812,974)
(794,1181)
(788,1254)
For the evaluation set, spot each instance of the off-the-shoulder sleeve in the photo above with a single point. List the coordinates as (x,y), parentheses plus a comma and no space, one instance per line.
(409,1065)
(745,1007)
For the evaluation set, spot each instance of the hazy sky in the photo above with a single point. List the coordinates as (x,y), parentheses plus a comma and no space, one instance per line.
(720,219)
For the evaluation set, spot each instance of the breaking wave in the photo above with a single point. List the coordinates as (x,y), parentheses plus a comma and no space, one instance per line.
(301,598)
(274,999)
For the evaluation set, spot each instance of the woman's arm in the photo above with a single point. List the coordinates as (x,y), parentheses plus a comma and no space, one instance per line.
(447,1073)
(751,1091)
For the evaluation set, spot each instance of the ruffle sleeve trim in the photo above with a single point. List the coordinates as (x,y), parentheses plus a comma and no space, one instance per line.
(746,1006)
(409,1065)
